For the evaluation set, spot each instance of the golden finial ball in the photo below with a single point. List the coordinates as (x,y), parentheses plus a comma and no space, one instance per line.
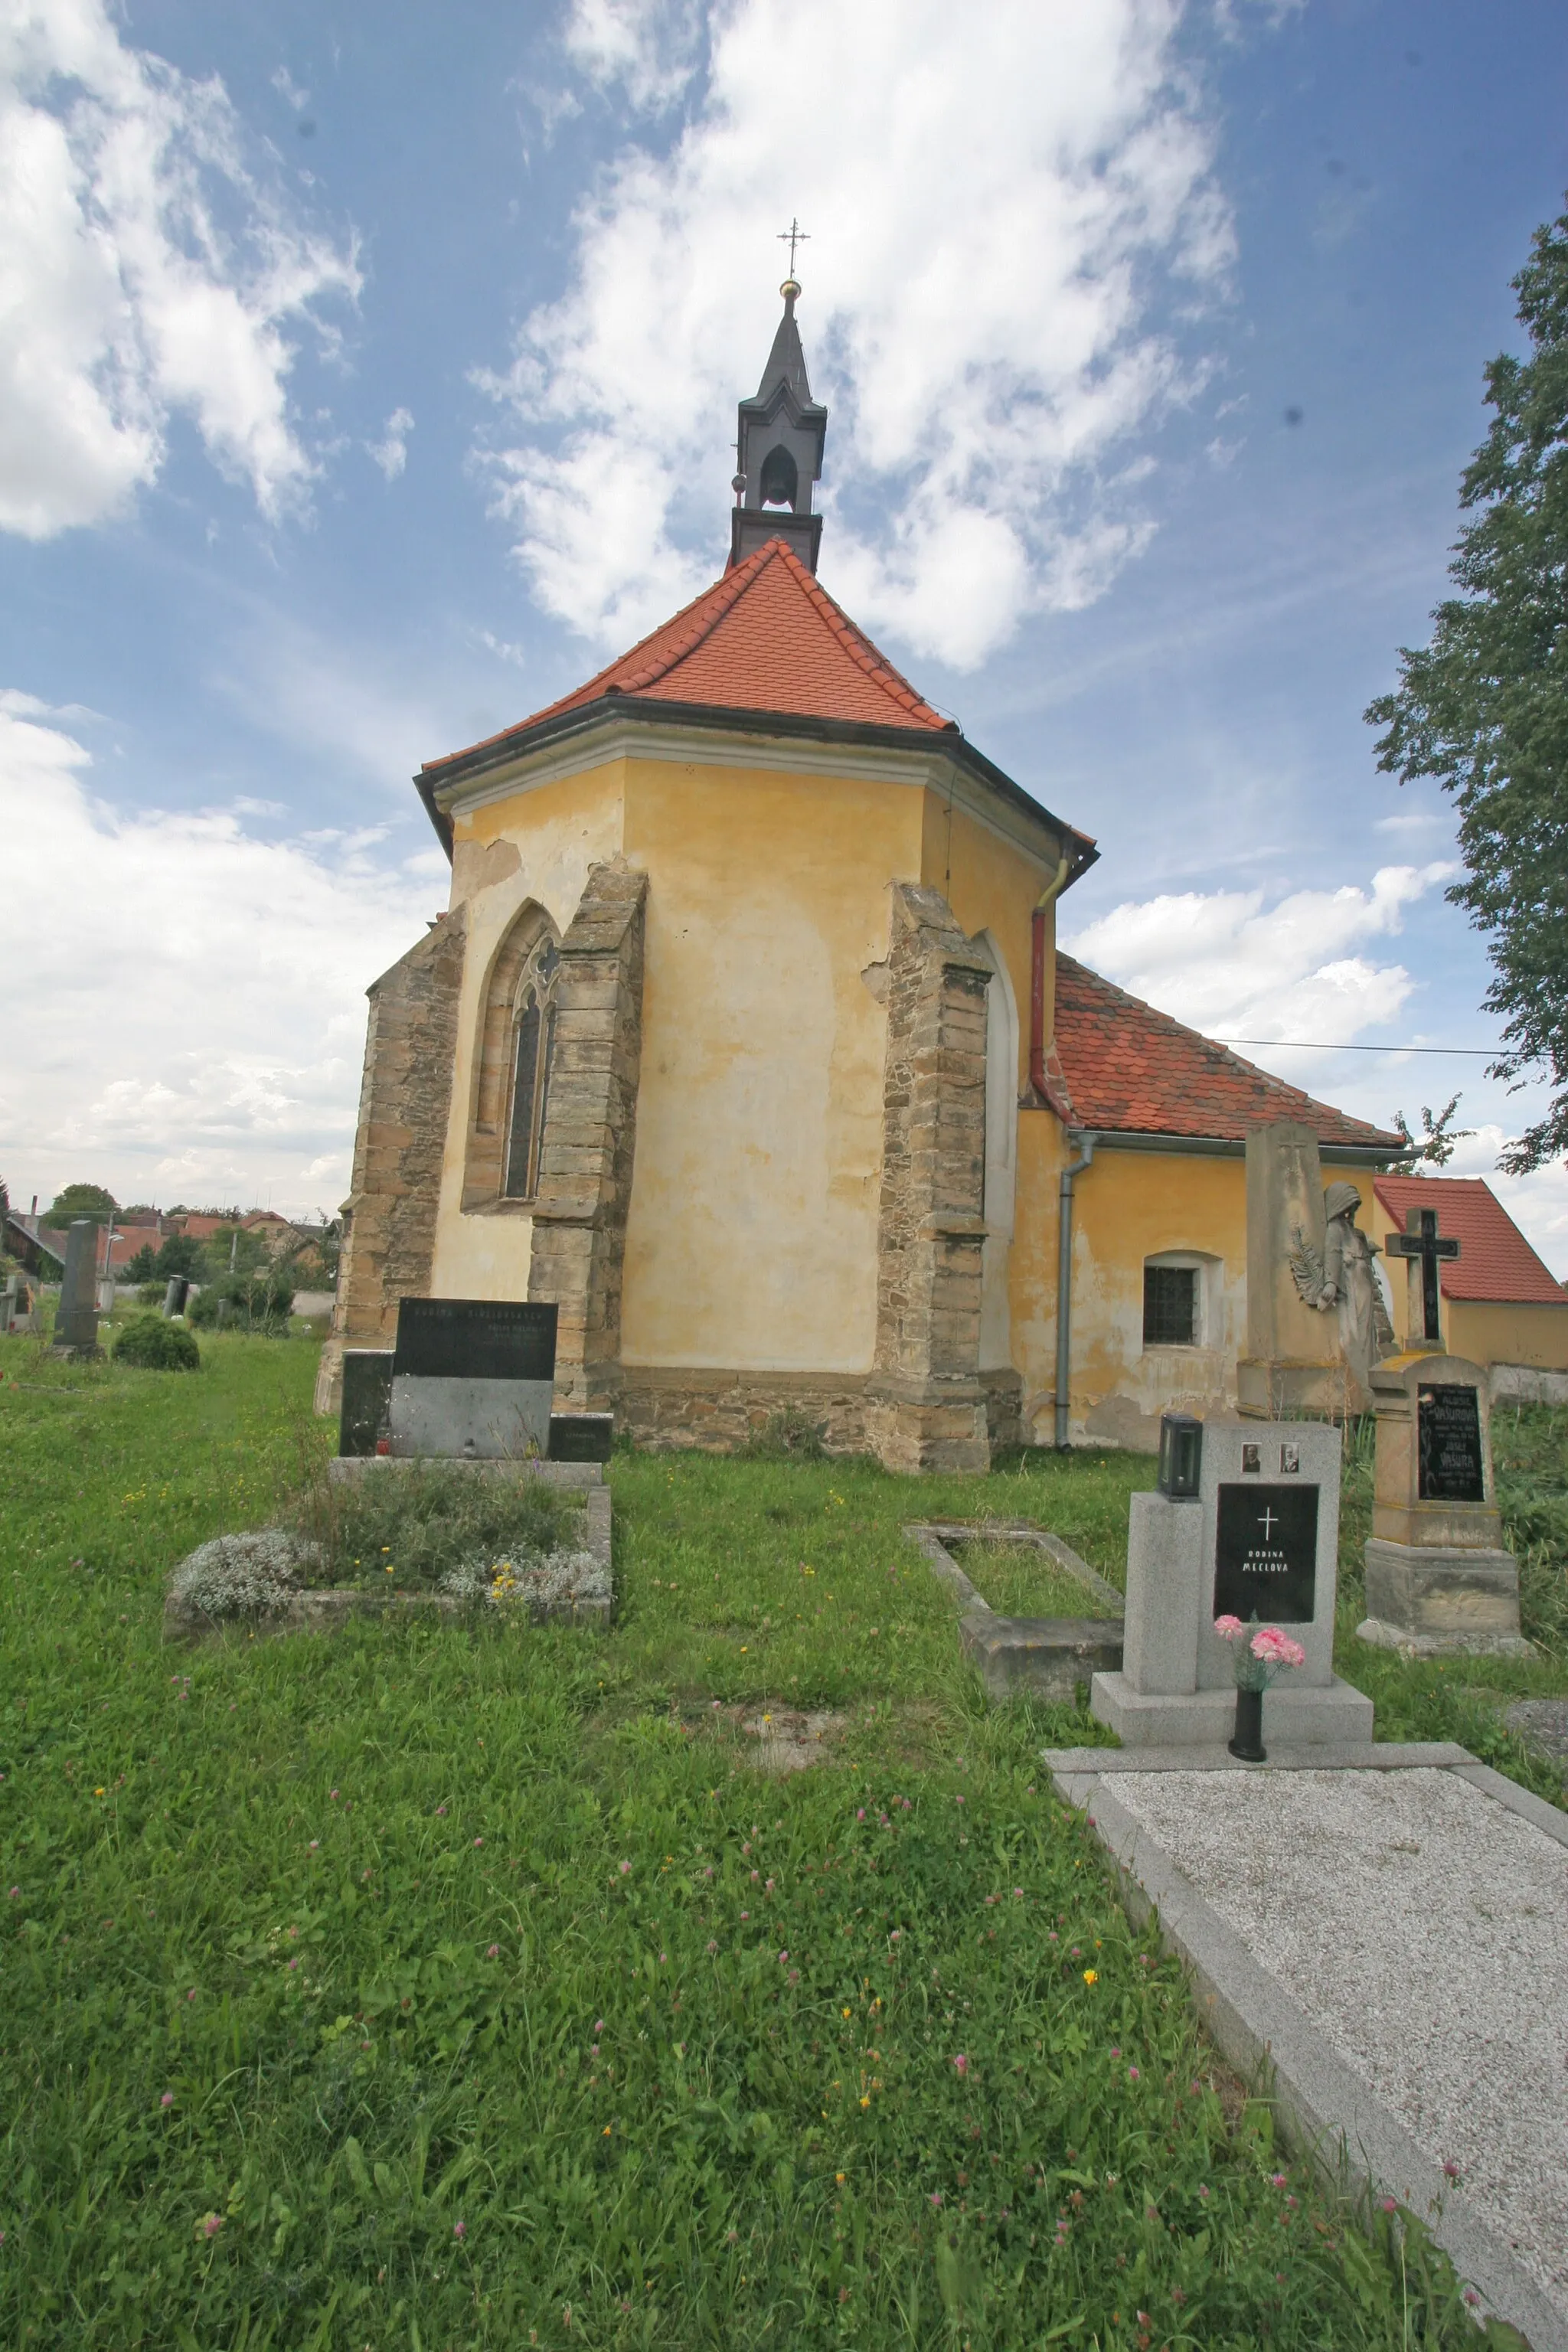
(790,288)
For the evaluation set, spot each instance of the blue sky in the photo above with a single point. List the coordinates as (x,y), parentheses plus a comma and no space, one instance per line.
(369,373)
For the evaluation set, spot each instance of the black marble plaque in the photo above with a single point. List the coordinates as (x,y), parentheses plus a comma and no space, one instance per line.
(475,1340)
(367,1393)
(1265,1554)
(1448,1432)
(580,1436)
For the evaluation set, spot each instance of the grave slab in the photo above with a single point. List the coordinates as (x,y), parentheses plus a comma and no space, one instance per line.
(1043,1657)
(1389,1946)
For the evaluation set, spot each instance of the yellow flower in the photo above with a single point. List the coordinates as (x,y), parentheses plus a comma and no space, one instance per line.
(839,2178)
(843,2012)
(865,2103)
(98,1792)
(1091,1976)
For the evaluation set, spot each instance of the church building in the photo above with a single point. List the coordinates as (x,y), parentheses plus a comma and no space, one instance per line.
(745,1040)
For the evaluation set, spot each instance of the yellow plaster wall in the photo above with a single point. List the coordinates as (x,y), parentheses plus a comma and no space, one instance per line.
(752,1234)
(1489,1332)
(538,845)
(1128,1206)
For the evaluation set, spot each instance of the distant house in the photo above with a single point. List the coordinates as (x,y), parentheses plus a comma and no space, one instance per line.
(1501,1305)
(37,1248)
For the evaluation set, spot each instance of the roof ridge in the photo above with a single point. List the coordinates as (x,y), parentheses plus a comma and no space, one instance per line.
(861,648)
(718,600)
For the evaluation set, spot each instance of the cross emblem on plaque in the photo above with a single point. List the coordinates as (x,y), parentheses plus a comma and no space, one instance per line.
(1424,1246)
(1268,1521)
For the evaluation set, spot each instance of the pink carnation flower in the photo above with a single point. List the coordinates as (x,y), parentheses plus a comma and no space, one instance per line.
(1228,1628)
(1276,1649)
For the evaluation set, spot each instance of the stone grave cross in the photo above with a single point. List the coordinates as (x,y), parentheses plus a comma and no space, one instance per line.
(1423,1247)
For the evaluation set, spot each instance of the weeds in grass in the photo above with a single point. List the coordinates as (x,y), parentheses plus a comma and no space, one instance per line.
(430,1527)
(787,1436)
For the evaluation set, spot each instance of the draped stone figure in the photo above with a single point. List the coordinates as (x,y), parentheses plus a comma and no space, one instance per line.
(1344,1280)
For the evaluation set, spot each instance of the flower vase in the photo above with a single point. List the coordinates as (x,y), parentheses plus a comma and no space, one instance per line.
(1247,1742)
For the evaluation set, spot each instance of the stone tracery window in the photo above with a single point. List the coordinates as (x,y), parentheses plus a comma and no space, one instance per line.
(533,1043)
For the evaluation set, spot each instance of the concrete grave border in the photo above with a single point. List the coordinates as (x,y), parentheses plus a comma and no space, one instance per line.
(1044,1657)
(1322,2106)
(328,1609)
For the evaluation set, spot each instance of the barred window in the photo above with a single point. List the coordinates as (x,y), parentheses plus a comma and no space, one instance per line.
(533,1040)
(1170,1306)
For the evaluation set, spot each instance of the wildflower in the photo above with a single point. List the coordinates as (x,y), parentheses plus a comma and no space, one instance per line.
(440,1810)
(1091,1976)
(460,2229)
(839,2178)
(167,2100)
(1277,2180)
(1018,1895)
(1450,2171)
(314,1846)
(626,1869)
(210,2226)
(861,1814)
(598,2025)
(493,1953)
(745,1915)
(98,1792)
(1204,2192)
(331,1793)
(783,1956)
(713,1944)
(961,2064)
(1132,2074)
(478,1841)
(936,2197)
(1387,2205)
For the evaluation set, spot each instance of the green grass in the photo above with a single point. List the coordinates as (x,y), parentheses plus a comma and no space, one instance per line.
(1018,1579)
(435,1986)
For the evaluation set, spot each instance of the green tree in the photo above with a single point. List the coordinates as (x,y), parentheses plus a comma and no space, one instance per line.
(82,1201)
(1484,708)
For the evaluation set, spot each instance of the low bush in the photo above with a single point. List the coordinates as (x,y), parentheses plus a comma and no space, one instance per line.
(445,1529)
(151,1294)
(259,1303)
(155,1346)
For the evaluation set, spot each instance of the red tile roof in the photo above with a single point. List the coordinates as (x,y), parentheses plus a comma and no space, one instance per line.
(764,637)
(1495,1260)
(1131,1070)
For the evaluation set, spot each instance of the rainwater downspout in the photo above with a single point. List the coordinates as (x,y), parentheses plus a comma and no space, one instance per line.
(1064,1285)
(1047,899)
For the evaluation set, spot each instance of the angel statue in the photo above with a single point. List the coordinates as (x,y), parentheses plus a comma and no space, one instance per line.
(1345,1278)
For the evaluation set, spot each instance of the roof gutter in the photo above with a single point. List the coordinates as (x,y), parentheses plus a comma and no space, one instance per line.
(438,776)
(1074,1168)
(1046,900)
(1228,1147)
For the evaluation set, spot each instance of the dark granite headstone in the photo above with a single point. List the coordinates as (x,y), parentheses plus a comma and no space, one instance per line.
(1448,1435)
(475,1340)
(76,1323)
(580,1436)
(367,1396)
(1265,1554)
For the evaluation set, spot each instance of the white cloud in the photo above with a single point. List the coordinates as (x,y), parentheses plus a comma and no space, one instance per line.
(997,198)
(194,996)
(145,273)
(391,452)
(1232,966)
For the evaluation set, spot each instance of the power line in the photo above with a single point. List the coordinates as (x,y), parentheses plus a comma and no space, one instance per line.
(1327,1046)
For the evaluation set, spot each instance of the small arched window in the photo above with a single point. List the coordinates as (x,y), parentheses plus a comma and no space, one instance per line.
(533,1040)
(780,478)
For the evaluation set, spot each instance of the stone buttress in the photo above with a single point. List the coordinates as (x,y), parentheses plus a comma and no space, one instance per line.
(589,1135)
(405,1096)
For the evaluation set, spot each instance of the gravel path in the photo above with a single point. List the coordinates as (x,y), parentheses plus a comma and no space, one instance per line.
(1423,1929)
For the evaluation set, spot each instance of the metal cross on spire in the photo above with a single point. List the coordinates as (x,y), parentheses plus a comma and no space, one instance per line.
(792,237)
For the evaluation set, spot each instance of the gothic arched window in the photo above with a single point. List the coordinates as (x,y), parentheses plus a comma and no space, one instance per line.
(533,1040)
(511,1063)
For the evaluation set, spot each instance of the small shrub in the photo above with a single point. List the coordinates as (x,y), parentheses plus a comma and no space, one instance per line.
(151,1294)
(155,1346)
(241,1576)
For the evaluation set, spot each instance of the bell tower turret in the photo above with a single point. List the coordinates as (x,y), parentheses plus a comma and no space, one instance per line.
(779,446)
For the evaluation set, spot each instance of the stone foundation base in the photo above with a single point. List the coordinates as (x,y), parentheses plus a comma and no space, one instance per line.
(718,1411)
(1463,1597)
(1292,1717)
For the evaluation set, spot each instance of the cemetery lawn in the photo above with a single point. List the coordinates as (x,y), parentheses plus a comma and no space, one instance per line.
(438,1986)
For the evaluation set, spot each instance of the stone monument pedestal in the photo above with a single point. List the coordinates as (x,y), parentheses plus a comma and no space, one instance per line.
(1439,1579)
(1260,1537)
(1290,1366)
(76,1323)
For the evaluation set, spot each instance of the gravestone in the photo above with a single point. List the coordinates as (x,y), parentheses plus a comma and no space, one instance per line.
(1291,1364)
(473,1378)
(176,1293)
(1259,1538)
(363,1417)
(1438,1579)
(1423,1249)
(19,1306)
(76,1324)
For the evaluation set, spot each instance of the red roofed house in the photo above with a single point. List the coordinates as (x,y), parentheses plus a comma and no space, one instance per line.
(1501,1306)
(745,1039)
